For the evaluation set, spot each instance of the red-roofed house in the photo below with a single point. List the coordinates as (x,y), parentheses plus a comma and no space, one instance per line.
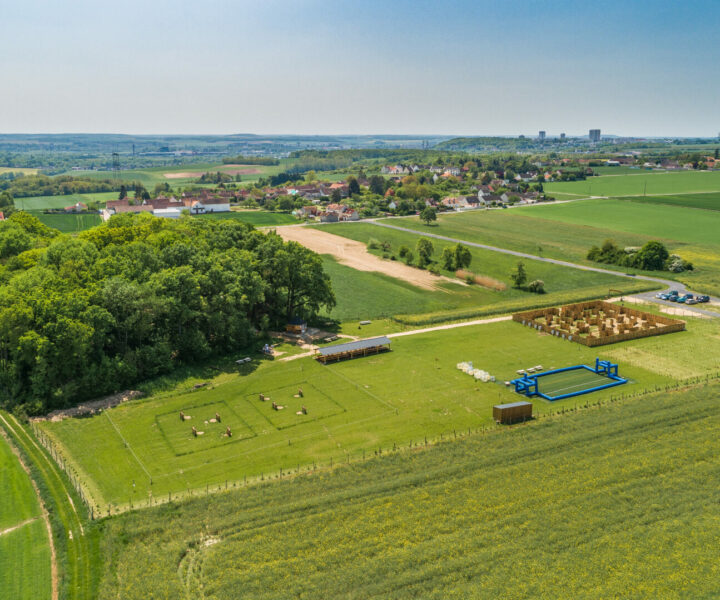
(76,208)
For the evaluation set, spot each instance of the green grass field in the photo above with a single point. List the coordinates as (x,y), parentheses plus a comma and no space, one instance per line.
(526,231)
(709,201)
(353,407)
(643,182)
(486,262)
(567,231)
(258,218)
(76,539)
(657,220)
(44,202)
(25,551)
(69,223)
(18,502)
(25,563)
(610,502)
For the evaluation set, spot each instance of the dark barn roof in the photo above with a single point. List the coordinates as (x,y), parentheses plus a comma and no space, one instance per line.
(351,346)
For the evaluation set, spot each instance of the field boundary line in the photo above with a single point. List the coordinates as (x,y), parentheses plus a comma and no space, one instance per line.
(54,577)
(128,446)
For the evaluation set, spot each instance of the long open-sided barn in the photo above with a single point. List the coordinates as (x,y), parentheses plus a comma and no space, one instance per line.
(353,349)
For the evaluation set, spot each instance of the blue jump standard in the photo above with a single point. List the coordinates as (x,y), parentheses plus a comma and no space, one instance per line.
(528,384)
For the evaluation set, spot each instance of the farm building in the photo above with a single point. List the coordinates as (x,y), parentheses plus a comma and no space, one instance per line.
(513,412)
(353,349)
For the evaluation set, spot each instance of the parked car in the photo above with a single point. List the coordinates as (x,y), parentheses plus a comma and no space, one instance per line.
(691,301)
(685,298)
(703,298)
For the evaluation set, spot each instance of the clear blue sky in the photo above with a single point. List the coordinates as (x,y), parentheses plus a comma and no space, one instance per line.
(335,66)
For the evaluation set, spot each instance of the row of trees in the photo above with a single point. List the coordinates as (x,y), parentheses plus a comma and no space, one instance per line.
(136,297)
(42,185)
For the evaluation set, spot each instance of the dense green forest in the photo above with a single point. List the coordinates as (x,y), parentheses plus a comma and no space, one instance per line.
(136,297)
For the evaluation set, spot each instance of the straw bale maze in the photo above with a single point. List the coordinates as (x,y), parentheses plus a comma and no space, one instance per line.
(598,323)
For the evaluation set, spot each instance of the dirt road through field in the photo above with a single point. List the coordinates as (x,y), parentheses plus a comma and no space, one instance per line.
(354,254)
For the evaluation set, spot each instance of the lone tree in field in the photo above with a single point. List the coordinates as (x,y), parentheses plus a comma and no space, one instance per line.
(428,215)
(519,276)
(425,251)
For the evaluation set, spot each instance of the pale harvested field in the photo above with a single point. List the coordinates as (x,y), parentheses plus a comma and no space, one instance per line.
(354,254)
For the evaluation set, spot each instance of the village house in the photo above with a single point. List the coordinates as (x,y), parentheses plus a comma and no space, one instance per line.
(78,207)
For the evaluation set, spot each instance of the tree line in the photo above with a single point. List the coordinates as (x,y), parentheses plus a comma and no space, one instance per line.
(137,297)
(62,185)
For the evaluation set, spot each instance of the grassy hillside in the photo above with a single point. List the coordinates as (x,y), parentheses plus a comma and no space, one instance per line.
(610,502)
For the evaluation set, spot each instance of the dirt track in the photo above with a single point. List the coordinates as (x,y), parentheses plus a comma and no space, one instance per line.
(354,254)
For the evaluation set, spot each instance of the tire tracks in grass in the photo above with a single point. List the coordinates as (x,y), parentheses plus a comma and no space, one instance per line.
(78,575)
(18,526)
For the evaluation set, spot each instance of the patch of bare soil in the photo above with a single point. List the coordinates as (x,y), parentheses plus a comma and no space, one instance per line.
(354,254)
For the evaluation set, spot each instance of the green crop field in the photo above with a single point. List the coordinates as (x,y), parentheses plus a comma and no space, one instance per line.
(45,202)
(24,551)
(525,232)
(709,201)
(18,502)
(640,183)
(25,563)
(567,231)
(69,223)
(259,218)
(610,502)
(658,220)
(23,170)
(353,407)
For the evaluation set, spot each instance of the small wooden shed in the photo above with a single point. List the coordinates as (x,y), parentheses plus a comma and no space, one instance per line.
(513,412)
(296,325)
